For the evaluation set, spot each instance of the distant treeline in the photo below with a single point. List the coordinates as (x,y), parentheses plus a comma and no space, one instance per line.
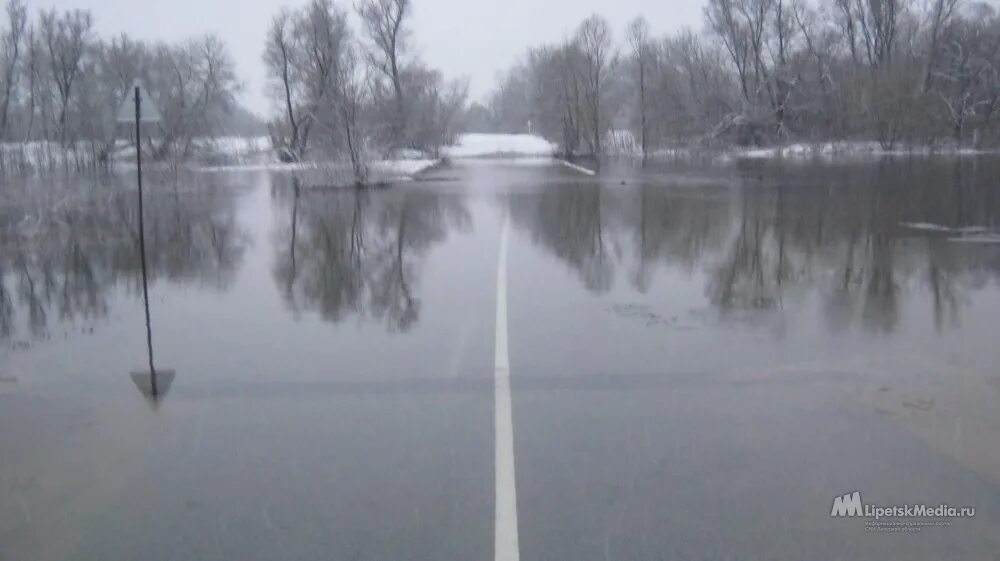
(337,95)
(60,85)
(902,72)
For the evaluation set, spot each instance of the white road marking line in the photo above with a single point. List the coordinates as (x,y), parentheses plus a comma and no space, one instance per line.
(505,544)
(580,169)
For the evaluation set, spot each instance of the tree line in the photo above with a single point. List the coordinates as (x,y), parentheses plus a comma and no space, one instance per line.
(60,85)
(905,73)
(355,95)
(338,94)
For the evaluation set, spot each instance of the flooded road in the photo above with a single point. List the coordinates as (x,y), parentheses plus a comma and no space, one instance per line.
(700,360)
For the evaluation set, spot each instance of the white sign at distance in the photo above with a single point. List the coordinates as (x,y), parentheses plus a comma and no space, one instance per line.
(148,113)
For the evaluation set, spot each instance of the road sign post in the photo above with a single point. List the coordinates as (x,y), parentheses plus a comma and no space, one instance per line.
(132,110)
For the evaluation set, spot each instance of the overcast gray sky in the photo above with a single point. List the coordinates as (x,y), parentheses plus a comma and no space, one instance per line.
(472,38)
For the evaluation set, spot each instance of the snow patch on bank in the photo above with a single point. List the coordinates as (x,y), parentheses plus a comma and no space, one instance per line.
(621,142)
(960,234)
(580,169)
(235,146)
(807,151)
(980,238)
(39,156)
(479,145)
(930,227)
(811,150)
(832,150)
(509,161)
(237,154)
(383,169)
(404,167)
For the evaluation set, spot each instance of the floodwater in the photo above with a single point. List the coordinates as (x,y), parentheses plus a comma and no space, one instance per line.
(701,359)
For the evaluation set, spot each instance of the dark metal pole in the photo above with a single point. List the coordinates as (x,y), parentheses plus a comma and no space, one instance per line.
(142,240)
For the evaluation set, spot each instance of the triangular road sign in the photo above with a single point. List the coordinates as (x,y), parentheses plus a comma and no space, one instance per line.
(147,107)
(144,382)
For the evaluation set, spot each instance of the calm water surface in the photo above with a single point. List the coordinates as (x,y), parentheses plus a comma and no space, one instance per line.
(701,359)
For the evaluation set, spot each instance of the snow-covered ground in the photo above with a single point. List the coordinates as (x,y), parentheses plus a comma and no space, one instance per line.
(209,154)
(961,234)
(929,227)
(38,157)
(228,153)
(239,147)
(847,149)
(386,169)
(399,167)
(803,151)
(256,154)
(579,168)
(617,142)
(35,157)
(807,150)
(481,145)
(979,238)
(621,142)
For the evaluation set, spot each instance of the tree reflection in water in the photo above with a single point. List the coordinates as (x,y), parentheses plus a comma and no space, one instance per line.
(780,232)
(66,247)
(350,252)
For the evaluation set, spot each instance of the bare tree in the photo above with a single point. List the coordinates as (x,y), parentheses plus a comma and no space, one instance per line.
(510,105)
(878,22)
(736,36)
(693,88)
(819,104)
(350,96)
(569,69)
(990,79)
(123,60)
(383,23)
(939,17)
(11,43)
(845,20)
(547,90)
(278,57)
(642,53)
(195,83)
(439,103)
(65,37)
(37,98)
(759,36)
(594,38)
(963,73)
(322,29)
(303,54)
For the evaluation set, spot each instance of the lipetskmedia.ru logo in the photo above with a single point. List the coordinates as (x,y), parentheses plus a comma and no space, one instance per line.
(904,517)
